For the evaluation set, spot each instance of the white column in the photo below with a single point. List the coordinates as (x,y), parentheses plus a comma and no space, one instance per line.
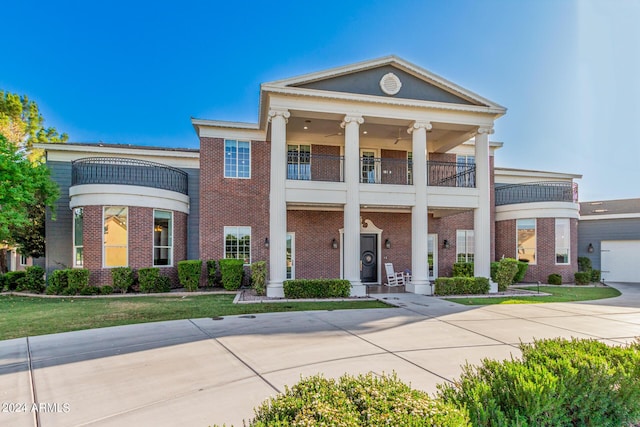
(482,214)
(351,237)
(419,212)
(278,204)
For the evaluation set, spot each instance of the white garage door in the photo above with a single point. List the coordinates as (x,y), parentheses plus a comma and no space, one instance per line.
(620,260)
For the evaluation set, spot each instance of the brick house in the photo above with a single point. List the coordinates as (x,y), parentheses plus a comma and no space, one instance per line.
(345,170)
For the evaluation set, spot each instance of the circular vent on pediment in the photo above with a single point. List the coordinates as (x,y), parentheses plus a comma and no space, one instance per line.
(390,84)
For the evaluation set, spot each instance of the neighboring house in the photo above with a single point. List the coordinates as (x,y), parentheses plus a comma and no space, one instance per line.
(346,169)
(609,235)
(16,261)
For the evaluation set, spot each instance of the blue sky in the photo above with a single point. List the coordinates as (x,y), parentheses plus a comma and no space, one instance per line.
(134,72)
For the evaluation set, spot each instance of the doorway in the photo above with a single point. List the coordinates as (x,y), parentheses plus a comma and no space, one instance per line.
(369,258)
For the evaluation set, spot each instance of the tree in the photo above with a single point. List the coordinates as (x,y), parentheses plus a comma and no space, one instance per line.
(24,185)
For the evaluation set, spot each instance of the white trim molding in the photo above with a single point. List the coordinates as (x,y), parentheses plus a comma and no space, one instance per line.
(538,210)
(127,195)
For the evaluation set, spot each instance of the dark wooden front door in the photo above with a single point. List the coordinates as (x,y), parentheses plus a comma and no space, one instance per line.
(369,258)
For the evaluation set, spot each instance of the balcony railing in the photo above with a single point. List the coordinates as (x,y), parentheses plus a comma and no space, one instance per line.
(507,194)
(114,170)
(315,167)
(451,174)
(374,170)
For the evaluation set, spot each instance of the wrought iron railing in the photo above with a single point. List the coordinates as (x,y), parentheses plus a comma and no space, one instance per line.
(375,170)
(115,170)
(315,167)
(451,174)
(507,194)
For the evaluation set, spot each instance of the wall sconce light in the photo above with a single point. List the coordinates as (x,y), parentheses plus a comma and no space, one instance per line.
(387,244)
(445,244)
(334,244)
(590,248)
(266,242)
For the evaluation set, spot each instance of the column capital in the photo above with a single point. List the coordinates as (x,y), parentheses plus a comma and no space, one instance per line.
(351,118)
(486,129)
(279,112)
(419,124)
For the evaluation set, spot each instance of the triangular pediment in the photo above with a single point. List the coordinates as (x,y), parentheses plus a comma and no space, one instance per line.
(388,77)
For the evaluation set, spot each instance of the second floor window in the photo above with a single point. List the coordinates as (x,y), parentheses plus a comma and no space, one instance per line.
(299,162)
(237,159)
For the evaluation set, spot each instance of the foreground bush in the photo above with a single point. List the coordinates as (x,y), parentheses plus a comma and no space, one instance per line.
(461,286)
(507,270)
(366,400)
(33,280)
(317,288)
(554,279)
(522,271)
(462,269)
(77,280)
(151,281)
(212,273)
(122,279)
(556,383)
(231,271)
(582,277)
(57,282)
(12,279)
(189,274)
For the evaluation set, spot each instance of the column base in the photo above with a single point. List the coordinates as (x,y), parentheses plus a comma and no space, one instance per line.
(493,287)
(275,290)
(424,288)
(358,289)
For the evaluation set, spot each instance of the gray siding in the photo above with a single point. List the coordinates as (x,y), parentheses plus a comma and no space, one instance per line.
(606,229)
(193,223)
(367,82)
(59,246)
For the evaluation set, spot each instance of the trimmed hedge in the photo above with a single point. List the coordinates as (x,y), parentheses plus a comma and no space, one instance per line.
(461,286)
(33,280)
(554,279)
(212,273)
(462,269)
(317,288)
(582,277)
(232,272)
(584,263)
(189,274)
(522,271)
(12,279)
(555,383)
(259,277)
(595,275)
(507,270)
(77,280)
(151,281)
(122,279)
(58,282)
(365,400)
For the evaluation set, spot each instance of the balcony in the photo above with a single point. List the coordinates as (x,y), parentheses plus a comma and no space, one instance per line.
(120,171)
(376,170)
(507,194)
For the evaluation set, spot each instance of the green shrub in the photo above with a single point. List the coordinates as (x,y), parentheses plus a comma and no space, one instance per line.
(461,286)
(232,271)
(151,281)
(494,271)
(317,288)
(33,280)
(554,279)
(582,277)
(189,274)
(90,290)
(12,279)
(77,280)
(522,271)
(3,283)
(212,273)
(595,275)
(462,269)
(555,383)
(57,282)
(507,269)
(122,279)
(259,277)
(584,263)
(365,400)
(106,290)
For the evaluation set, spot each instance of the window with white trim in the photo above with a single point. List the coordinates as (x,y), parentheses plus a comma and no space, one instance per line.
(465,246)
(162,238)
(237,159)
(115,237)
(78,246)
(24,260)
(464,166)
(299,162)
(563,240)
(237,243)
(526,240)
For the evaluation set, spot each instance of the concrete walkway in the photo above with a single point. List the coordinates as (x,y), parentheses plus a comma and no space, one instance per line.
(204,371)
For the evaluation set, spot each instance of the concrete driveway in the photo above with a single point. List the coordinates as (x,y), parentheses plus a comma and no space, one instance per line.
(203,371)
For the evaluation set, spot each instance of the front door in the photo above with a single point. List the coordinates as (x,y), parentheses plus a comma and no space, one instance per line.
(369,258)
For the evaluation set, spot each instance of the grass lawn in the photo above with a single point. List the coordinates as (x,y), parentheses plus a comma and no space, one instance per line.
(558,294)
(27,316)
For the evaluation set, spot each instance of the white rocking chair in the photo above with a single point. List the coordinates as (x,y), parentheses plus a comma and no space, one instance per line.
(393,278)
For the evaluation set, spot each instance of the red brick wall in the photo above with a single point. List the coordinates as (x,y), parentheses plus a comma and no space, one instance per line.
(446,228)
(233,201)
(140,242)
(506,244)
